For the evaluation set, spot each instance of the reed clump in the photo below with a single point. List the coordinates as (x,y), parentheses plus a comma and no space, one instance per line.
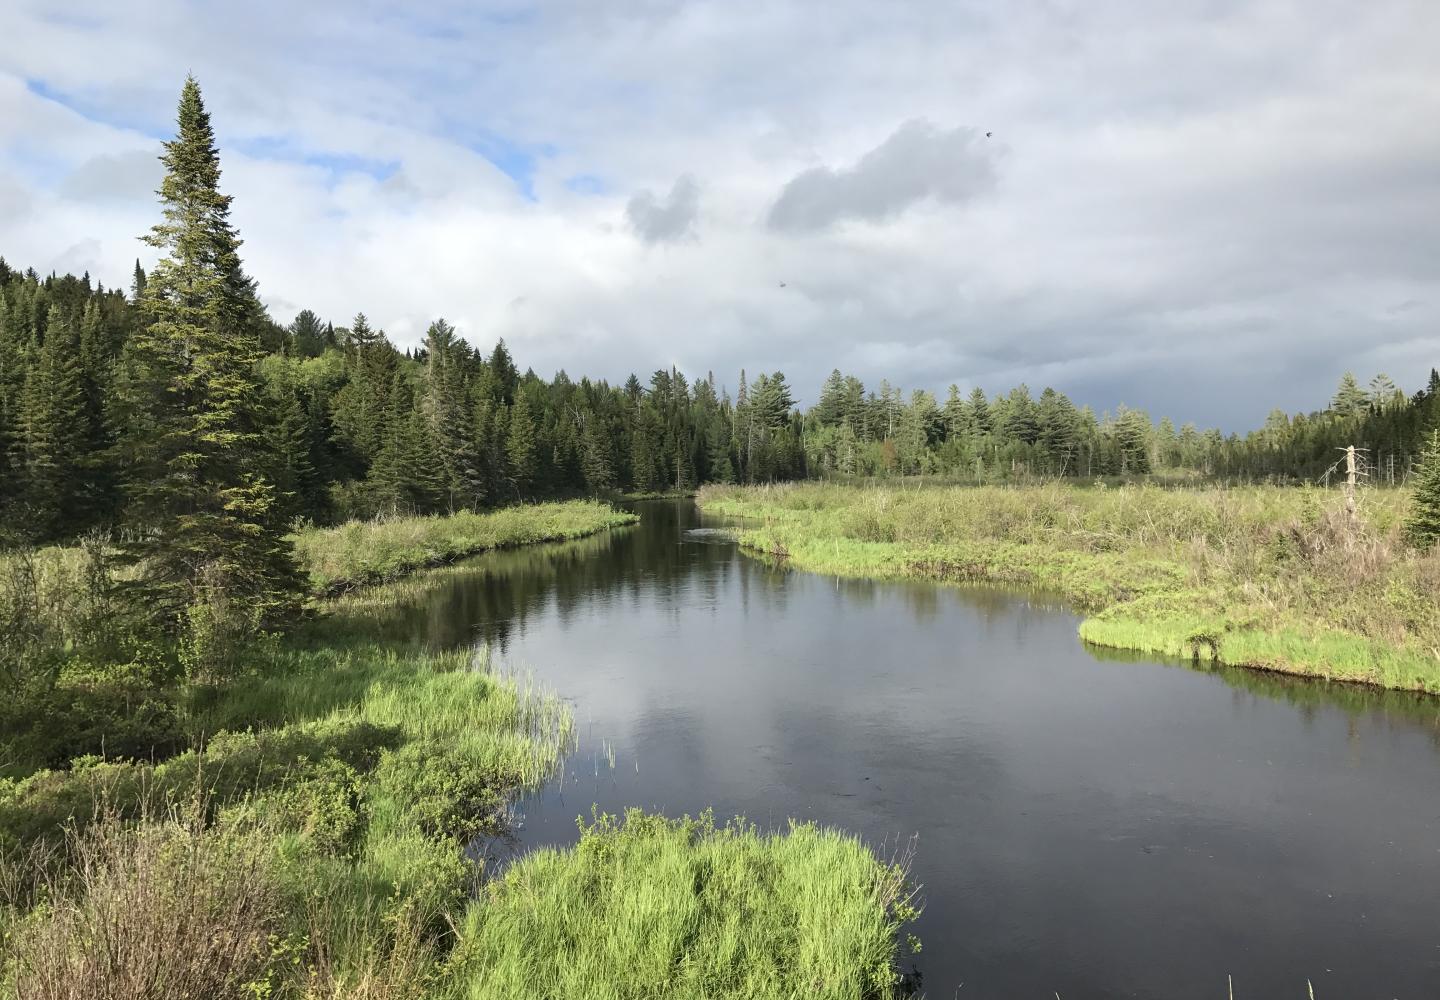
(649,906)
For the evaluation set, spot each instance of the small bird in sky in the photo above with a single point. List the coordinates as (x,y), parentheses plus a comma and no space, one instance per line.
(782,284)
(989,134)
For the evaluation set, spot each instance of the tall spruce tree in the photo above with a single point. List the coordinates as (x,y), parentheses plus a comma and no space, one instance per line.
(521,445)
(595,460)
(53,433)
(1422,524)
(206,531)
(447,407)
(979,410)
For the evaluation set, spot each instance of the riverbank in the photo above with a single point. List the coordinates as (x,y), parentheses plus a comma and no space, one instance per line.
(319,825)
(1263,577)
(367,552)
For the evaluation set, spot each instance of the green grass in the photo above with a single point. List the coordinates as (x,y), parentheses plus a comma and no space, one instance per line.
(358,770)
(1255,576)
(646,906)
(367,552)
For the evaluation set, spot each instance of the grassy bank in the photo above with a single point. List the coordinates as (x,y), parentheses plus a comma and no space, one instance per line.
(354,773)
(365,552)
(1255,576)
(319,823)
(83,682)
(646,906)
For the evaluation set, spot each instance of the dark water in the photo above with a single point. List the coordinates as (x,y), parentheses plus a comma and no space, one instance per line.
(1092,826)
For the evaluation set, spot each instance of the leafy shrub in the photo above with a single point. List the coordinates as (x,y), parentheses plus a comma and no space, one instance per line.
(443,792)
(323,806)
(231,766)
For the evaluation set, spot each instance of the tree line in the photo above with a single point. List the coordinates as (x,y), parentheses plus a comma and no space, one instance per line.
(344,423)
(853,432)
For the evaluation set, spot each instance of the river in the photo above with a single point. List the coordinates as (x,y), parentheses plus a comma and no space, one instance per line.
(1084,825)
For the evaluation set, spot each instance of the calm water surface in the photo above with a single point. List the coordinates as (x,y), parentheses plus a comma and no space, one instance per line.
(1091,825)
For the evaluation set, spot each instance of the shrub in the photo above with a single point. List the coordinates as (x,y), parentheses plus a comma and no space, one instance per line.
(323,806)
(232,766)
(162,910)
(443,792)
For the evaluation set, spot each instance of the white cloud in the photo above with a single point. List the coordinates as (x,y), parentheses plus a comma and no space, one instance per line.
(1204,208)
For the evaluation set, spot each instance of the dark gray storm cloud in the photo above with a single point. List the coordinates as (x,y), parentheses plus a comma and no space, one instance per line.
(918,161)
(666,220)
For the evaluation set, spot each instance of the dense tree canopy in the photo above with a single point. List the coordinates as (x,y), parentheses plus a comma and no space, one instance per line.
(852,432)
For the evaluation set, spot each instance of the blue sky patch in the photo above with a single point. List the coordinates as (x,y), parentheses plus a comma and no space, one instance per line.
(274,147)
(587,184)
(93,111)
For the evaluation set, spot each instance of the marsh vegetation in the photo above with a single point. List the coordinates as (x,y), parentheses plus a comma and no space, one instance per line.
(1271,577)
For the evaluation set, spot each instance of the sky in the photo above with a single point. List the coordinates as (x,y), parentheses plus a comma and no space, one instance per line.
(1203,208)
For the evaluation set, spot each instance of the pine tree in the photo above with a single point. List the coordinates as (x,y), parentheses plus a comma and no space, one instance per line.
(980,412)
(1132,441)
(13,362)
(447,407)
(717,454)
(520,445)
(307,335)
(1349,399)
(1382,391)
(205,517)
(1022,421)
(291,468)
(831,408)
(1422,525)
(501,377)
(407,475)
(771,399)
(52,432)
(684,468)
(956,420)
(646,446)
(1059,429)
(595,461)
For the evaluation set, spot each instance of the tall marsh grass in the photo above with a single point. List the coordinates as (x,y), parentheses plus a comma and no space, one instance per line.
(1255,576)
(646,906)
(365,552)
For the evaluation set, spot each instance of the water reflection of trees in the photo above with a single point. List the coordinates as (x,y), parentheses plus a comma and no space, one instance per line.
(491,598)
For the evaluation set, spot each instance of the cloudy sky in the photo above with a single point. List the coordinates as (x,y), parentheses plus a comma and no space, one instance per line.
(1202,207)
